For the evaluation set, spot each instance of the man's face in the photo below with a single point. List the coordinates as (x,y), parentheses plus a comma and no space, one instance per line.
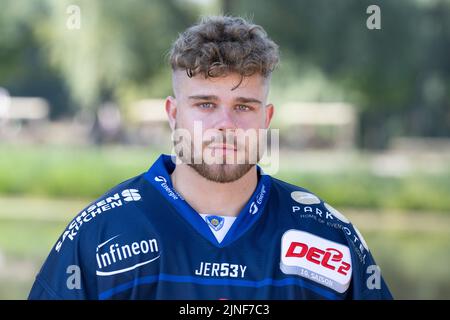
(219,123)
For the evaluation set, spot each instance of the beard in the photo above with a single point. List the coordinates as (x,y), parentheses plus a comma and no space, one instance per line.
(223,172)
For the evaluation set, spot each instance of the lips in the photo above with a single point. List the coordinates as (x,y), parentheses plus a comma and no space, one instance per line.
(223,147)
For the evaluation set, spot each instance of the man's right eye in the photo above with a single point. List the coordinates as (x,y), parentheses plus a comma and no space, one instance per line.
(206,105)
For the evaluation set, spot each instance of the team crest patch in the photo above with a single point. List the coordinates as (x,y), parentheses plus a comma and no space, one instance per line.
(215,222)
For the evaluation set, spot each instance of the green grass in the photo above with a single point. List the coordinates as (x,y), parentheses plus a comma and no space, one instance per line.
(11,289)
(364,190)
(29,227)
(29,239)
(72,172)
(88,172)
(414,264)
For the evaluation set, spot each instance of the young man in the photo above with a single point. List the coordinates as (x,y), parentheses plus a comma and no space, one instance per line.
(208,226)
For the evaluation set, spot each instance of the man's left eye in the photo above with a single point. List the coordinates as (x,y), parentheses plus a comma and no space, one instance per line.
(242,107)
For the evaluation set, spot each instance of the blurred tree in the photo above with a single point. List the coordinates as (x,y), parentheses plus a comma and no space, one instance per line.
(398,76)
(119,48)
(24,68)
(227,6)
(120,44)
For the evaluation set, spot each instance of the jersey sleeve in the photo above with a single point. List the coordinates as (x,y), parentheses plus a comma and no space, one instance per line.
(67,273)
(367,280)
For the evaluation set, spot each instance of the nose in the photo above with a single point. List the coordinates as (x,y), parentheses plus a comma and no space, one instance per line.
(225,120)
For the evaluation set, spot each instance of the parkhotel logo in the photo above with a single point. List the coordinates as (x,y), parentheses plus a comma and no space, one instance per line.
(229,147)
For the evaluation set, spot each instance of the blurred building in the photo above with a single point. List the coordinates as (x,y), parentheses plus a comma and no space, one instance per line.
(317,125)
(148,123)
(22,117)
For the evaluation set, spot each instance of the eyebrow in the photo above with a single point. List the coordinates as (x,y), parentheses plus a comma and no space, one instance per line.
(204,97)
(215,98)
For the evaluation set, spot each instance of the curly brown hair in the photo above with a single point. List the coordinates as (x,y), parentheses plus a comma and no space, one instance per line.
(218,45)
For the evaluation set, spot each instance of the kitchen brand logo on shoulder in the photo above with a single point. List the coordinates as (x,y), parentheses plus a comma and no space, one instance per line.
(116,200)
(315,258)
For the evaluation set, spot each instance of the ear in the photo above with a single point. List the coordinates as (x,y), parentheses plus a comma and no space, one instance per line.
(171,110)
(270,109)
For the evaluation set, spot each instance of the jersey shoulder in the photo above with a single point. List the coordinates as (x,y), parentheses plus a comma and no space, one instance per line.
(308,210)
(321,239)
(292,194)
(106,211)
(78,251)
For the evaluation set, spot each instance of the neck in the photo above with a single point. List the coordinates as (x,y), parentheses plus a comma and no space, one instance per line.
(206,196)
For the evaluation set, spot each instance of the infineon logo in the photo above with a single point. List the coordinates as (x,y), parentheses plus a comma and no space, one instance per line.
(118,257)
(106,204)
(315,258)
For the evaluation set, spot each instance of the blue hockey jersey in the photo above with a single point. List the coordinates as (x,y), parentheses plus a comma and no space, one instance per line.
(142,240)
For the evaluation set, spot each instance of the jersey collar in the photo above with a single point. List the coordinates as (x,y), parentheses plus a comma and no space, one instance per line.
(159,176)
